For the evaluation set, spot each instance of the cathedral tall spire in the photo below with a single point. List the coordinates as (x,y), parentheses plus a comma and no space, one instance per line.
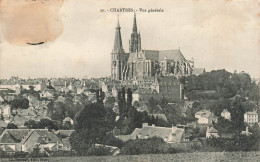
(135,41)
(134,24)
(118,40)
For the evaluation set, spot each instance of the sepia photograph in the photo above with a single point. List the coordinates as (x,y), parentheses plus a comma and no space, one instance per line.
(130,81)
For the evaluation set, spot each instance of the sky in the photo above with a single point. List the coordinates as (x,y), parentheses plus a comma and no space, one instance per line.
(217,34)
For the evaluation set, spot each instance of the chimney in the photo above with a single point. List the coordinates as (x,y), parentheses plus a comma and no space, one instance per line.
(145,124)
(247,129)
(173,128)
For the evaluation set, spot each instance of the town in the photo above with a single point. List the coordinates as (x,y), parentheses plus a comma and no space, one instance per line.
(153,102)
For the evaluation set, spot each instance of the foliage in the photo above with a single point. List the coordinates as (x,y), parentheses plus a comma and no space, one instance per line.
(20,154)
(2,153)
(224,125)
(20,103)
(67,126)
(237,114)
(110,118)
(91,126)
(110,101)
(91,117)
(98,151)
(36,153)
(239,142)
(63,153)
(136,104)
(154,145)
(11,126)
(224,83)
(42,124)
(111,140)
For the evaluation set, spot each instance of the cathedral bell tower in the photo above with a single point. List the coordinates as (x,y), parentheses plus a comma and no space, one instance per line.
(117,56)
(135,41)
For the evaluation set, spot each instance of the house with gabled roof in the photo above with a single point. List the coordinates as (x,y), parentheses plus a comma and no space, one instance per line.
(41,137)
(12,138)
(159,116)
(1,99)
(198,71)
(27,139)
(168,134)
(3,124)
(19,120)
(29,113)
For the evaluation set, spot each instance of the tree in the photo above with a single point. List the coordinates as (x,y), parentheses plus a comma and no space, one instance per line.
(136,104)
(90,127)
(36,153)
(1,117)
(59,111)
(47,123)
(110,101)
(67,125)
(100,95)
(91,117)
(110,118)
(20,103)
(123,102)
(154,145)
(11,126)
(129,98)
(32,124)
(237,114)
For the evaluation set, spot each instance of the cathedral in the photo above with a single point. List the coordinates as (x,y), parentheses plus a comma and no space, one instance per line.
(145,63)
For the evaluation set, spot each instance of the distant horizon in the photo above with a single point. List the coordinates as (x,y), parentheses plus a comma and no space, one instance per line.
(86,77)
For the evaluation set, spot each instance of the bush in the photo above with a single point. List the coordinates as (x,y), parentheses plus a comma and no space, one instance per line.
(20,154)
(111,140)
(154,145)
(98,151)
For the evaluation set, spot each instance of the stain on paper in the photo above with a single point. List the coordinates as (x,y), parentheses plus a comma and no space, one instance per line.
(30,22)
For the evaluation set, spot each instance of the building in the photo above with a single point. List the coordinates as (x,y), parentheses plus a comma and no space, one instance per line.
(41,137)
(198,71)
(205,117)
(1,99)
(251,117)
(5,110)
(12,138)
(143,95)
(211,132)
(27,139)
(246,132)
(226,114)
(67,119)
(168,134)
(145,63)
(159,116)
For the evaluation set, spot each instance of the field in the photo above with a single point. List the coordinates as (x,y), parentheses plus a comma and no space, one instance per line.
(196,156)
